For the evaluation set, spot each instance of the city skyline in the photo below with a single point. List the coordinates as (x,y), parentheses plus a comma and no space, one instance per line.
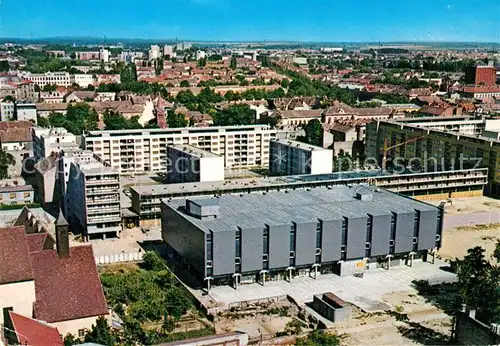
(214,20)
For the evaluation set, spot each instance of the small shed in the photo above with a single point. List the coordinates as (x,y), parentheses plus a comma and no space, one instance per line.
(332,307)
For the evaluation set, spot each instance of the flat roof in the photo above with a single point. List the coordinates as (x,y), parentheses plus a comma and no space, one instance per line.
(300,145)
(262,182)
(179,130)
(15,188)
(193,151)
(300,206)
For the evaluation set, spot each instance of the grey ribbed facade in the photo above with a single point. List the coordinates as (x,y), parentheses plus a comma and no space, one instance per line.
(277,231)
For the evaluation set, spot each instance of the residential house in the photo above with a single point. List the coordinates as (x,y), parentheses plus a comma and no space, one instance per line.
(296,118)
(51,97)
(40,282)
(28,331)
(81,96)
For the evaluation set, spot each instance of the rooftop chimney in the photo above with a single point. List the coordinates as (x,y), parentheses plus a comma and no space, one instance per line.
(62,236)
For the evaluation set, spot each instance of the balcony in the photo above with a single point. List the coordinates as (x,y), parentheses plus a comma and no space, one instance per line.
(106,181)
(104,218)
(97,201)
(101,191)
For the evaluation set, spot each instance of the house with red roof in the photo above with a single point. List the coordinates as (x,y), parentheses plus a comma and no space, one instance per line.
(58,285)
(28,331)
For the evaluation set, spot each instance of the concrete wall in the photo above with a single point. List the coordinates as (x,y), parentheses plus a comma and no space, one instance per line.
(279,246)
(73,326)
(356,237)
(404,232)
(18,295)
(184,238)
(212,168)
(306,243)
(252,244)
(469,331)
(381,234)
(223,252)
(334,314)
(331,240)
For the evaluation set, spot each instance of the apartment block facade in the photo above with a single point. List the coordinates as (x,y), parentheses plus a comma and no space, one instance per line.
(186,164)
(439,150)
(260,237)
(288,157)
(136,151)
(93,199)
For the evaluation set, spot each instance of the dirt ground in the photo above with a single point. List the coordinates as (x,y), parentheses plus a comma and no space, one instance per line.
(469,205)
(457,241)
(426,323)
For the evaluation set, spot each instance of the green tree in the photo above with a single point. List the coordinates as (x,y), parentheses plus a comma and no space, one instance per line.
(50,88)
(184,84)
(313,133)
(233,63)
(153,261)
(42,121)
(176,120)
(202,62)
(319,337)
(4,66)
(240,114)
(158,66)
(70,340)
(101,333)
(116,121)
(496,252)
(81,118)
(6,160)
(478,284)
(285,83)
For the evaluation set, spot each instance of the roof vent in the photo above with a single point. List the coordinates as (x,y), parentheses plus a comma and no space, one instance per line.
(364,196)
(203,208)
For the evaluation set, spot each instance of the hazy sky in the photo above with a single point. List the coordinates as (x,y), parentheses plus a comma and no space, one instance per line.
(300,20)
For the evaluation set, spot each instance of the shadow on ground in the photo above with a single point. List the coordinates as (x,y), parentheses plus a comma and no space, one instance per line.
(443,296)
(422,335)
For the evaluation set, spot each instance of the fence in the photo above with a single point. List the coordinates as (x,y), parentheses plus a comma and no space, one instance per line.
(119,258)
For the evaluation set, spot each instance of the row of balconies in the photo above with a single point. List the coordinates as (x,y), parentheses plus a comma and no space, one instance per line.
(100,191)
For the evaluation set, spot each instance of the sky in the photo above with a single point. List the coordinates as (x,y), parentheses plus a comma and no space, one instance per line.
(255,20)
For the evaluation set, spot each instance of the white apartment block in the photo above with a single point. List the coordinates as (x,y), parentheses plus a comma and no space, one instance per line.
(187,164)
(104,55)
(83,80)
(26,111)
(49,78)
(145,150)
(46,141)
(93,198)
(291,158)
(154,52)
(7,110)
(168,50)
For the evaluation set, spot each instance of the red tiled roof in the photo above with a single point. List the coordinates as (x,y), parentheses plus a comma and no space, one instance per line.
(34,333)
(36,241)
(480,89)
(67,288)
(14,256)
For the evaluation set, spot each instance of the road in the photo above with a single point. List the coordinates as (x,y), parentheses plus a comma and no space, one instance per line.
(457,220)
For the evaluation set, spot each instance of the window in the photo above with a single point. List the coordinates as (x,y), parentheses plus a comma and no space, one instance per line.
(81,333)
(26,195)
(12,195)
(237,243)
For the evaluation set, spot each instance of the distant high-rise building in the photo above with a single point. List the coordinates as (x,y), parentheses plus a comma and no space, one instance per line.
(168,50)
(481,75)
(104,55)
(154,52)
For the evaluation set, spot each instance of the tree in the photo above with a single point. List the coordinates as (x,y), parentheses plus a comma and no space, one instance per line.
(496,252)
(478,285)
(240,114)
(50,88)
(158,66)
(314,133)
(4,66)
(176,120)
(285,83)
(42,121)
(233,63)
(70,340)
(6,160)
(319,337)
(153,261)
(101,333)
(185,84)
(81,118)
(202,62)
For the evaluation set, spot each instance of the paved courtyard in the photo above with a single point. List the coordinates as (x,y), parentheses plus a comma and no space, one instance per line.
(364,292)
